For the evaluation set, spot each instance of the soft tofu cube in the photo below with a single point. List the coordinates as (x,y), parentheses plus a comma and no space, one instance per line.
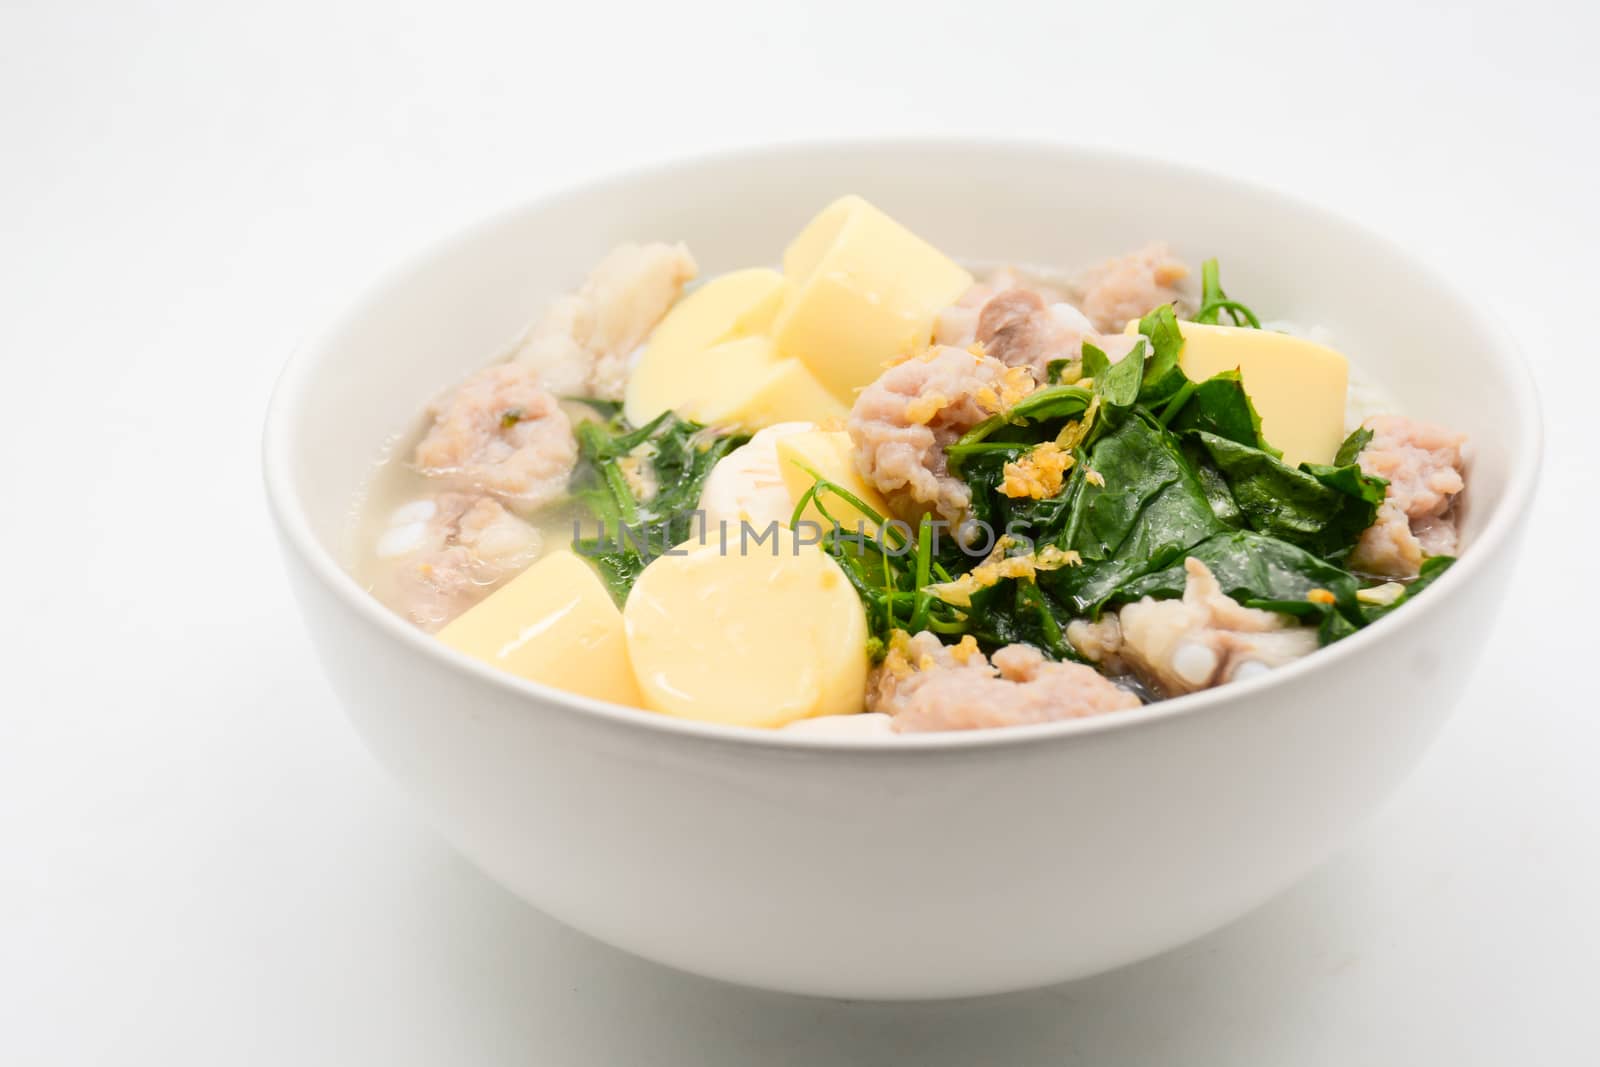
(554,623)
(863,290)
(746,383)
(1297,386)
(741,303)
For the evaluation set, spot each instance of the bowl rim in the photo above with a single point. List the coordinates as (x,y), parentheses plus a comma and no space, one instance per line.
(284,503)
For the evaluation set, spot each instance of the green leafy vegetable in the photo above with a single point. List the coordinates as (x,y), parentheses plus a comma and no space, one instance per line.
(1213,301)
(890,571)
(1351,449)
(1118,383)
(1148,506)
(1261,572)
(1253,569)
(671,455)
(1264,572)
(1019,612)
(1095,362)
(1219,405)
(1322,509)
(1017,429)
(1218,495)
(1163,378)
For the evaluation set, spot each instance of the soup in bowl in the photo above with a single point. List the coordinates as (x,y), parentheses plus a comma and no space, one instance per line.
(902,571)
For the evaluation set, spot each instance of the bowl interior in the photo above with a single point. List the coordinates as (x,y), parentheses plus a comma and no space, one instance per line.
(462,303)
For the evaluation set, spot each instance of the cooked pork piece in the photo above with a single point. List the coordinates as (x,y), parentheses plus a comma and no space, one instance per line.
(902,423)
(442,554)
(927,685)
(957,324)
(1020,330)
(1424,464)
(1129,287)
(500,432)
(582,343)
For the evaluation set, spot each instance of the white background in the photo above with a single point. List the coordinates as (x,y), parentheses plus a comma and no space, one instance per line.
(198,863)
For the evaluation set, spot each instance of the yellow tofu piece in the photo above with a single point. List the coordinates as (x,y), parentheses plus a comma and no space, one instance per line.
(863,290)
(831,455)
(747,634)
(1297,386)
(738,304)
(745,383)
(554,623)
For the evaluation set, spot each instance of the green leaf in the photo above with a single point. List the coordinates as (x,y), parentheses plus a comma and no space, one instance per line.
(1219,405)
(1335,626)
(1151,507)
(1263,572)
(633,530)
(1351,481)
(1175,403)
(1051,402)
(891,574)
(1213,301)
(1162,375)
(1351,449)
(1218,495)
(1017,612)
(1095,362)
(1321,509)
(1035,418)
(1260,572)
(1118,385)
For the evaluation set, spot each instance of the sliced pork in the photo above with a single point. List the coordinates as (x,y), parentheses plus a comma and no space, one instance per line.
(957,325)
(926,685)
(1020,330)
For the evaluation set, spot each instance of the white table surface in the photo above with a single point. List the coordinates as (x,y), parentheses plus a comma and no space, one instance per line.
(198,862)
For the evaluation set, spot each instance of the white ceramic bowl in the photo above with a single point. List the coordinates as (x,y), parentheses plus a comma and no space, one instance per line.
(919,867)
